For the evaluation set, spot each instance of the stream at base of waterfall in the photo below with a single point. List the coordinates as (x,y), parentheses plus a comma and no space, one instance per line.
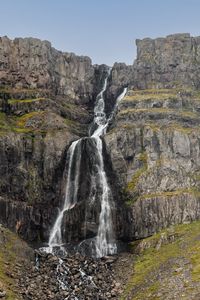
(104,243)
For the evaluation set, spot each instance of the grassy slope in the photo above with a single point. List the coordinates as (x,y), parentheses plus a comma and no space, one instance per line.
(13,255)
(167,266)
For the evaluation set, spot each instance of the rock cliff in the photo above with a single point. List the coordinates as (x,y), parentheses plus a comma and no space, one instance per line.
(151,150)
(46,101)
(32,63)
(154,141)
(168,62)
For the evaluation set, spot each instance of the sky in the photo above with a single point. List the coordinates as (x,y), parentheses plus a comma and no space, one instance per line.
(104,30)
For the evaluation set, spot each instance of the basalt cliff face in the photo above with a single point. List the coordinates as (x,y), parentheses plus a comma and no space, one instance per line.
(151,149)
(167,62)
(46,102)
(154,142)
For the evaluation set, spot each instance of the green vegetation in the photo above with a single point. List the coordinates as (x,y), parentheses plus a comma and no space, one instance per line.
(164,194)
(14,101)
(34,122)
(3,121)
(178,192)
(162,94)
(151,94)
(132,185)
(143,157)
(172,127)
(155,126)
(183,113)
(189,114)
(161,252)
(75,109)
(18,124)
(21,122)
(10,249)
(6,123)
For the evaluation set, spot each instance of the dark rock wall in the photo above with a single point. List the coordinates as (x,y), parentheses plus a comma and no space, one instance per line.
(47,99)
(34,63)
(151,150)
(121,76)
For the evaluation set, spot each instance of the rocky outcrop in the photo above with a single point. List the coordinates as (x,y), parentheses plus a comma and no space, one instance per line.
(151,150)
(154,149)
(74,276)
(32,168)
(16,257)
(161,268)
(26,274)
(46,98)
(35,64)
(153,143)
(168,62)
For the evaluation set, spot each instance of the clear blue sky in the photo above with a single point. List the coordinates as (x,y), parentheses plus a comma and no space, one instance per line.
(105,30)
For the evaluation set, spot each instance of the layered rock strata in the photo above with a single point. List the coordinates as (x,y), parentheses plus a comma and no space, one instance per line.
(151,150)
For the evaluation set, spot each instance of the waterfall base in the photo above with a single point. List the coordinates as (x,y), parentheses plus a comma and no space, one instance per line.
(95,181)
(70,277)
(86,248)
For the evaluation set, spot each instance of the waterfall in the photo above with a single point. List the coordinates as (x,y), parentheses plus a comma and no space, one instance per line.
(105,240)
(55,238)
(119,98)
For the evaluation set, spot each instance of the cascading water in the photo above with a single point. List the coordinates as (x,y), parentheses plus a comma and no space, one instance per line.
(105,240)
(55,239)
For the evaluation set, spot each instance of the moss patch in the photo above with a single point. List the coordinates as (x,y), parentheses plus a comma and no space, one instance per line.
(36,122)
(27,124)
(172,127)
(132,185)
(14,101)
(178,192)
(22,121)
(165,111)
(151,94)
(162,94)
(75,109)
(6,123)
(155,126)
(12,251)
(153,259)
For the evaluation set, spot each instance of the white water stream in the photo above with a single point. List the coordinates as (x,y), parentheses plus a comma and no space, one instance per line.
(55,238)
(105,240)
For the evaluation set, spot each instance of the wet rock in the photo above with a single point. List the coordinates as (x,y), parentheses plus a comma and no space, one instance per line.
(74,276)
(151,151)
